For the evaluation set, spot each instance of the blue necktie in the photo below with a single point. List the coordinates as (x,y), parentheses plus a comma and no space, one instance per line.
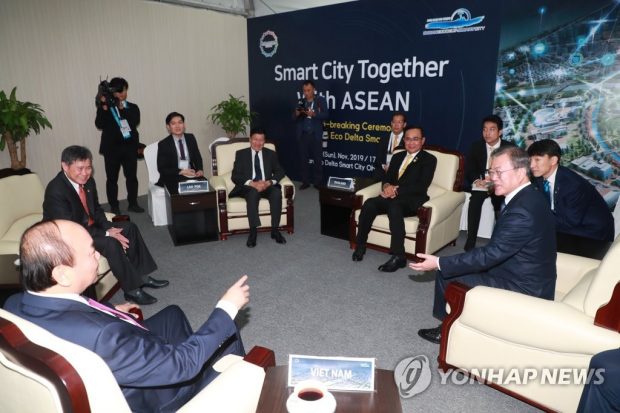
(258,175)
(547,190)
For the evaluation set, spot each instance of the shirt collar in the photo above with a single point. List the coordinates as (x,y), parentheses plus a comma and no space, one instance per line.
(75,185)
(551,178)
(64,296)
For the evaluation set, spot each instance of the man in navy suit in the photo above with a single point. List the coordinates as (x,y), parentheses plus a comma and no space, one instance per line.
(602,395)
(403,192)
(72,195)
(256,173)
(395,142)
(583,221)
(159,364)
(476,179)
(310,113)
(178,156)
(521,254)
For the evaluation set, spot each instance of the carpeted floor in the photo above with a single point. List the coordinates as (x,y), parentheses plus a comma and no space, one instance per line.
(308,297)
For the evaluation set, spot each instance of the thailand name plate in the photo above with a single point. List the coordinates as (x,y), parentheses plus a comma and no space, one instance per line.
(193,186)
(337,373)
(343,184)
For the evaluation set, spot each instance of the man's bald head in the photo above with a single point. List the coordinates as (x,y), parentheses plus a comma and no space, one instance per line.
(43,248)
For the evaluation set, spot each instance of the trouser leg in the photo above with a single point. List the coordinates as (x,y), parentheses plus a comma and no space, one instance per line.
(112,164)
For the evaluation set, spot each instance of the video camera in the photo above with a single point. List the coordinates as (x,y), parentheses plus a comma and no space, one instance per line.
(104,89)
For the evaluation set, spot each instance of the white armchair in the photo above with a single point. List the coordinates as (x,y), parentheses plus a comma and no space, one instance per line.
(489,328)
(157,194)
(40,372)
(437,221)
(232,212)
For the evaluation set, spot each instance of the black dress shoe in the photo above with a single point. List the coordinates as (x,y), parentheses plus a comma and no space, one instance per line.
(393,264)
(115,210)
(153,283)
(140,297)
(358,254)
(304,186)
(135,208)
(278,237)
(431,334)
(251,243)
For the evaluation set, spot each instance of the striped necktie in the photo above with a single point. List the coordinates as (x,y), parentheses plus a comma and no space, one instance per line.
(547,190)
(82,195)
(115,313)
(405,165)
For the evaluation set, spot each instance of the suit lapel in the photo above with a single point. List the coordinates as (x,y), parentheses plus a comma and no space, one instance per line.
(411,165)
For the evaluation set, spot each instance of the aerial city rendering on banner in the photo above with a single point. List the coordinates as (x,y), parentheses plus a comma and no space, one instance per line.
(564,84)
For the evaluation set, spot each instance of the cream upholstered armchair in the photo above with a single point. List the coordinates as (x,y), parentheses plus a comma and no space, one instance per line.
(437,221)
(232,212)
(21,205)
(40,372)
(489,328)
(157,194)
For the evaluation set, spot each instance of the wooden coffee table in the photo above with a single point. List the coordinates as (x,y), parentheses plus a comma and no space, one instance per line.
(384,399)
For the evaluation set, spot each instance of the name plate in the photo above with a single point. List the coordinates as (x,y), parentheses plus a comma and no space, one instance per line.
(193,186)
(337,373)
(343,184)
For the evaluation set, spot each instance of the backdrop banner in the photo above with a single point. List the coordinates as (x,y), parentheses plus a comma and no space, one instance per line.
(434,61)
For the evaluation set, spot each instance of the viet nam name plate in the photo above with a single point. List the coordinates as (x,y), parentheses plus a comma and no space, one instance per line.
(337,373)
(193,186)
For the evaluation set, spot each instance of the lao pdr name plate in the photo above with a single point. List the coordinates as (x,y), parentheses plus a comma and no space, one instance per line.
(337,373)
(193,186)
(344,184)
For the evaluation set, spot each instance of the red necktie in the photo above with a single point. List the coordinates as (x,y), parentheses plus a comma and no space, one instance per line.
(85,205)
(115,313)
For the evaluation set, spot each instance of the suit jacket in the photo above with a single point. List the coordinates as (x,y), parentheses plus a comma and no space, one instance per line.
(579,209)
(139,359)
(476,162)
(242,168)
(521,254)
(416,179)
(382,154)
(62,201)
(111,137)
(322,113)
(167,158)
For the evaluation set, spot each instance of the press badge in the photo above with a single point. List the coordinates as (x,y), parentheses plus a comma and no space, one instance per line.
(125,129)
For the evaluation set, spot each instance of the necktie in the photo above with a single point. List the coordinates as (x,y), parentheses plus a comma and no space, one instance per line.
(405,165)
(394,143)
(258,175)
(115,313)
(502,206)
(82,194)
(547,190)
(181,149)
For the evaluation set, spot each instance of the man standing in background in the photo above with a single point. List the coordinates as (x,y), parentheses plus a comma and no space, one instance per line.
(384,155)
(310,113)
(119,143)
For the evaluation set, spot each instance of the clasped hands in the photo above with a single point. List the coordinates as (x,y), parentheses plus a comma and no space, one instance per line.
(191,173)
(260,186)
(116,233)
(389,191)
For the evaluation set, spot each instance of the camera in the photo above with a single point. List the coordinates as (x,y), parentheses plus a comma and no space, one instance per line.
(105,90)
(301,104)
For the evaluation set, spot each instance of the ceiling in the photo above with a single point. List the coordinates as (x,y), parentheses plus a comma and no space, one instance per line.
(253,8)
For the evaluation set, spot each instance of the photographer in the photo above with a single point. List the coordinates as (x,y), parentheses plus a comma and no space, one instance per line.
(118,121)
(310,113)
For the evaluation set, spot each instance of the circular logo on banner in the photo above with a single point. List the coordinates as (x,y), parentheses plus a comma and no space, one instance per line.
(412,375)
(268,43)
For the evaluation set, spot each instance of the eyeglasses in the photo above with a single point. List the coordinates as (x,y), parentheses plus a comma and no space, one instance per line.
(414,139)
(497,172)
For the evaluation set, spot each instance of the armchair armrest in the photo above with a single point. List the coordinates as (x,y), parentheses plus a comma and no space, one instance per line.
(444,205)
(571,269)
(534,322)
(288,188)
(217,183)
(370,191)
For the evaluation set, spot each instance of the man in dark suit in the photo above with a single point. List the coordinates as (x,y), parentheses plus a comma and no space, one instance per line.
(72,195)
(602,393)
(256,173)
(119,144)
(178,157)
(521,253)
(160,363)
(583,221)
(403,191)
(310,113)
(395,142)
(477,181)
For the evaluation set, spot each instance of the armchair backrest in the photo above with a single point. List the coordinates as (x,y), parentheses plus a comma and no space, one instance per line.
(150,158)
(604,280)
(223,154)
(21,195)
(46,373)
(449,171)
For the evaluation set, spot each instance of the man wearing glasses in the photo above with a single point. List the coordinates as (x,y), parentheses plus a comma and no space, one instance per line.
(404,190)
(521,254)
